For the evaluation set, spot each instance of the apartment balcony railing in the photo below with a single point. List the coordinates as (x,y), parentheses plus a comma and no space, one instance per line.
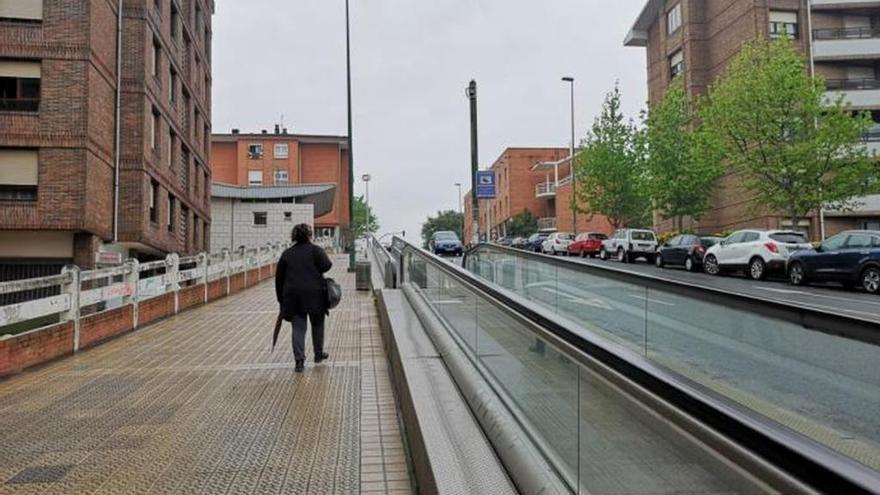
(851,84)
(565,180)
(545,190)
(547,223)
(872,136)
(850,33)
(19,104)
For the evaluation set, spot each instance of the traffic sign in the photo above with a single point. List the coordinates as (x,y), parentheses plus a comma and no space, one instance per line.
(486,184)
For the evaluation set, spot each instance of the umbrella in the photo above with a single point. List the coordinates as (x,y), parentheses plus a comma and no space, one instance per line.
(278,323)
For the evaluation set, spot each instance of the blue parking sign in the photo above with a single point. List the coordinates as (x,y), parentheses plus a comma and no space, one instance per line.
(485,184)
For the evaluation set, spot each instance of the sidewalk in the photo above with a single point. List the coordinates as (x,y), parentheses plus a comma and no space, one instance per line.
(198,404)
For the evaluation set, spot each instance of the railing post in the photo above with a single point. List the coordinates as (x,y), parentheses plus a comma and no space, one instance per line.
(244,266)
(132,278)
(72,289)
(203,264)
(172,278)
(227,269)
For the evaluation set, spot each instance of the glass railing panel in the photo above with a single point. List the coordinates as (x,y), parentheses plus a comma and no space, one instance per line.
(823,386)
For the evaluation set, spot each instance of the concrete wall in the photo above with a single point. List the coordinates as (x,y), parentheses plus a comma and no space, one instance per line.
(233,223)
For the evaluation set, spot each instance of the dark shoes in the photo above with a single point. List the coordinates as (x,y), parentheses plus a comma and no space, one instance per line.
(321,357)
(300,366)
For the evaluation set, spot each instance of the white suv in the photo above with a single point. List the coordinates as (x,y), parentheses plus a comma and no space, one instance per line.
(757,252)
(628,244)
(557,243)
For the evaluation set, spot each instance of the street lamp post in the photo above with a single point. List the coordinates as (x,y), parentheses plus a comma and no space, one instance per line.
(460,207)
(570,80)
(351,253)
(472,97)
(366,178)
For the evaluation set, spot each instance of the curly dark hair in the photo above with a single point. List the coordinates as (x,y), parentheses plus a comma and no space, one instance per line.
(301,234)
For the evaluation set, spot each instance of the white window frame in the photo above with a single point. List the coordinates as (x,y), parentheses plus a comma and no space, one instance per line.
(257,153)
(783,22)
(673,19)
(255,173)
(282,154)
(676,63)
(281,177)
(18,9)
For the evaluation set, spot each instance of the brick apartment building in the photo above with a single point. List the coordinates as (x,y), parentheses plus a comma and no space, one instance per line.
(533,179)
(58,86)
(278,159)
(699,38)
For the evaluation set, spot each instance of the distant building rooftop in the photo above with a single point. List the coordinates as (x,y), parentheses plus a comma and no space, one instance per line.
(321,196)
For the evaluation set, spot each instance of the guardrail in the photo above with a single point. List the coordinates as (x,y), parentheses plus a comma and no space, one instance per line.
(548,223)
(545,189)
(851,33)
(852,84)
(384,261)
(744,365)
(90,306)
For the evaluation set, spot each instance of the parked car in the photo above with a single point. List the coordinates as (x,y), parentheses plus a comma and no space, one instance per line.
(518,243)
(446,242)
(757,252)
(503,241)
(535,241)
(685,250)
(849,258)
(627,245)
(587,244)
(557,243)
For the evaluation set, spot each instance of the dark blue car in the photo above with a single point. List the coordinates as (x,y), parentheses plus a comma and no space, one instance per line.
(535,241)
(851,258)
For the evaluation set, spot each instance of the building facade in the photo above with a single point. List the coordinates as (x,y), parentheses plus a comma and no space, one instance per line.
(697,39)
(282,159)
(58,131)
(537,180)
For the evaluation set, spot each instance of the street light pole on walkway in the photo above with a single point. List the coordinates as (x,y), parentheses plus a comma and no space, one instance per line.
(475,158)
(460,207)
(351,253)
(366,178)
(571,162)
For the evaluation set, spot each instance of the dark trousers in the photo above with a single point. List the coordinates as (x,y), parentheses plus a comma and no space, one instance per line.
(300,325)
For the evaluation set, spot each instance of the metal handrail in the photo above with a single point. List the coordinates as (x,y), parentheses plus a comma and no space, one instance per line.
(849,33)
(852,84)
(805,459)
(545,189)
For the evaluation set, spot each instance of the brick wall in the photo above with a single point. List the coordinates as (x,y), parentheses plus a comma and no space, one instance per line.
(216,289)
(236,282)
(99,327)
(191,296)
(155,309)
(29,349)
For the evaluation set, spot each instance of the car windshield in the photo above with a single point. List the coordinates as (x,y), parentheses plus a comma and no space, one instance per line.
(445,236)
(789,237)
(565,237)
(642,236)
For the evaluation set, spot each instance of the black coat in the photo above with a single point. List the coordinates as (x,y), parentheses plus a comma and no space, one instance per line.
(299,280)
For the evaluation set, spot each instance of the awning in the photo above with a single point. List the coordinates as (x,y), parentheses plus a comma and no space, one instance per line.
(321,196)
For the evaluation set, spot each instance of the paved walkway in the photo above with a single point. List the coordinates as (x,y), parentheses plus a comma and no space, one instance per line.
(199,404)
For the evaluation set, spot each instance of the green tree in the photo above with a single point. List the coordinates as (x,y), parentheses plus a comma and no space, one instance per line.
(363,226)
(682,158)
(610,177)
(795,150)
(522,225)
(445,220)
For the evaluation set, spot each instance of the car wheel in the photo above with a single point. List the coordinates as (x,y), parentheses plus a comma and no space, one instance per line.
(757,269)
(658,261)
(603,254)
(622,256)
(584,254)
(796,274)
(592,255)
(689,264)
(871,280)
(710,265)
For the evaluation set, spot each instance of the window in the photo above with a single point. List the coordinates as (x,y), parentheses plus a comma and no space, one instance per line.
(196,243)
(783,24)
(676,64)
(261,218)
(288,216)
(673,19)
(175,21)
(18,174)
(157,53)
(751,237)
(171,216)
(154,131)
(255,151)
(281,177)
(735,238)
(157,6)
(858,241)
(834,243)
(255,177)
(154,201)
(171,144)
(19,85)
(281,150)
(26,10)
(172,85)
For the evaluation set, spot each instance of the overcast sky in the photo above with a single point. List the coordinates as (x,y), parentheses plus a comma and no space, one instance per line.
(411,61)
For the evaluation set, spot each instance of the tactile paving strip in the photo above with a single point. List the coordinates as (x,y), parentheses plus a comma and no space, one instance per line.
(199,404)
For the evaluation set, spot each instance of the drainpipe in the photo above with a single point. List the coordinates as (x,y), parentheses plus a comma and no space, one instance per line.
(118,124)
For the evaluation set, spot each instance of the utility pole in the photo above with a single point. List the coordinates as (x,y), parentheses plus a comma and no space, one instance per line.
(351,253)
(472,96)
(574,218)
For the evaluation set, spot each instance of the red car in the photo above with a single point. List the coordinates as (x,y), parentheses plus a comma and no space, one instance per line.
(587,244)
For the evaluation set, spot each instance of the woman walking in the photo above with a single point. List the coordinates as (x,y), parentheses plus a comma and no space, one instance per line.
(299,287)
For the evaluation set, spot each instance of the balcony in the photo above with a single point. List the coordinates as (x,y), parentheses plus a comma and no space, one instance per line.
(546,224)
(545,190)
(846,43)
(837,4)
(872,140)
(860,93)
